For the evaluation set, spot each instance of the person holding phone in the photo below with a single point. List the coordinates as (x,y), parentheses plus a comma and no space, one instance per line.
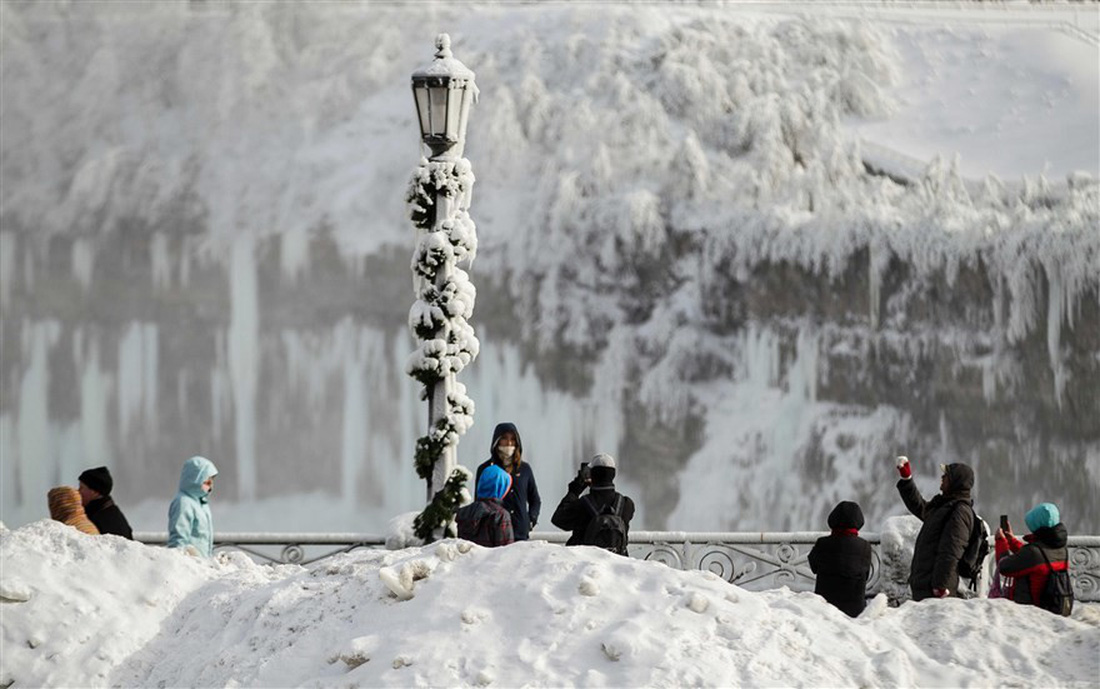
(602,517)
(1026,564)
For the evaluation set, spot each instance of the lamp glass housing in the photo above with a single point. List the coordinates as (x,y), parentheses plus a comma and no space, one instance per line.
(442,103)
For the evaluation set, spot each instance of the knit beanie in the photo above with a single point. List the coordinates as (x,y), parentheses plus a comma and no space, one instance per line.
(65,507)
(1043,514)
(98,479)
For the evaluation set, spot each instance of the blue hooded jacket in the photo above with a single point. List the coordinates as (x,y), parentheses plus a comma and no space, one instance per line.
(494,483)
(189,518)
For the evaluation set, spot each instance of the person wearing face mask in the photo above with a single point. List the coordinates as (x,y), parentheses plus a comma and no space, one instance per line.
(522,502)
(190,523)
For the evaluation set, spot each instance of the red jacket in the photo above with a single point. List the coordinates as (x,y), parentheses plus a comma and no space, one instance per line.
(1028,567)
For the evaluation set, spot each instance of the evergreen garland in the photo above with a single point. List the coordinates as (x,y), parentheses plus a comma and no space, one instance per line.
(439,514)
(439,319)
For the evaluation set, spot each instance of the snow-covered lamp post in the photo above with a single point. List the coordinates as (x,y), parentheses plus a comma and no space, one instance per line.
(439,201)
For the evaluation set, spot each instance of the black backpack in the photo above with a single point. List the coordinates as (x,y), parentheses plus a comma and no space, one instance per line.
(1057,594)
(607,529)
(977,549)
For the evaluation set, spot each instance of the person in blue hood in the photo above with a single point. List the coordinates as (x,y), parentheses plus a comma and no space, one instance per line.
(485,521)
(523,501)
(190,523)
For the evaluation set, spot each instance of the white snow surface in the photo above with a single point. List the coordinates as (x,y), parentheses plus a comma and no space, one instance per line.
(99,611)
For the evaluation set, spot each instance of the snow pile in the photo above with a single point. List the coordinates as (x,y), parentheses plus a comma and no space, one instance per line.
(101,611)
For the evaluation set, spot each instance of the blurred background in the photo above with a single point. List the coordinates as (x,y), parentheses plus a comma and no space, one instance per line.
(752,253)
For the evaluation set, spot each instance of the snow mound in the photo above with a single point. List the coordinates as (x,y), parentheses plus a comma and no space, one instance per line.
(104,611)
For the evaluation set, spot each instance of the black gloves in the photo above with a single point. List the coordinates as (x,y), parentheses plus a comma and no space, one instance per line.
(579,483)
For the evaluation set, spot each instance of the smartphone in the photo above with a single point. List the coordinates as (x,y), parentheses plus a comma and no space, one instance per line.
(1004,523)
(586,472)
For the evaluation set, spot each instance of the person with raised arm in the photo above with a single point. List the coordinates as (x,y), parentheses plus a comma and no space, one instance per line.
(948,519)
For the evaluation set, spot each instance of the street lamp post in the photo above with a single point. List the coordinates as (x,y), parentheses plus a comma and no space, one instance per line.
(439,201)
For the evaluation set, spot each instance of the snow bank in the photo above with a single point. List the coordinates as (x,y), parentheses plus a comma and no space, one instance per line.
(102,611)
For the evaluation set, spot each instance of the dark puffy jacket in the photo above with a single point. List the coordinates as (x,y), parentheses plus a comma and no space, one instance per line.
(948,519)
(108,518)
(486,523)
(522,502)
(573,515)
(842,561)
(1029,568)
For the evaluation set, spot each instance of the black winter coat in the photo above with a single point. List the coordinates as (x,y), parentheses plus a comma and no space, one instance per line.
(948,519)
(842,563)
(108,518)
(573,515)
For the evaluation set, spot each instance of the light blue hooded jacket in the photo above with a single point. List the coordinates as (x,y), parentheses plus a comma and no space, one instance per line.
(189,518)
(494,483)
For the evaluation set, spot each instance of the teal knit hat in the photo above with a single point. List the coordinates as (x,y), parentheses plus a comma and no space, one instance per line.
(1043,514)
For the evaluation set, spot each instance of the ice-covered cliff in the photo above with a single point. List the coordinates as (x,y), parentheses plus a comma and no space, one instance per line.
(688,258)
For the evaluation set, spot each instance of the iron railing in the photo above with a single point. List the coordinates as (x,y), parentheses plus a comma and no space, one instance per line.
(752,560)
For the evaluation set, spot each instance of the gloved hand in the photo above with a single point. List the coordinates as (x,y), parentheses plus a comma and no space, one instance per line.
(903,467)
(578,484)
(941,593)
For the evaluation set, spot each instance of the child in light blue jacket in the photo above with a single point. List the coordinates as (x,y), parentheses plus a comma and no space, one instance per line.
(189,520)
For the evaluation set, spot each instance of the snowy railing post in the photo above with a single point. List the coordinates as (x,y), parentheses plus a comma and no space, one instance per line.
(439,201)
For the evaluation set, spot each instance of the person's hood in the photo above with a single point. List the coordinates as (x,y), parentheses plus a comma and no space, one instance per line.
(195,471)
(846,515)
(1052,536)
(64,503)
(494,483)
(500,430)
(960,478)
(1043,514)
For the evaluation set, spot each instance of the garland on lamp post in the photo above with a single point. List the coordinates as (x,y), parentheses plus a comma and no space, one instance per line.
(438,201)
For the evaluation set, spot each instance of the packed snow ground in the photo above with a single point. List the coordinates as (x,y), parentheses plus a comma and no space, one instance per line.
(99,611)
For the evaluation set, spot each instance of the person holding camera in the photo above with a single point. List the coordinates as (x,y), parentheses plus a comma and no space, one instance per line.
(948,519)
(601,518)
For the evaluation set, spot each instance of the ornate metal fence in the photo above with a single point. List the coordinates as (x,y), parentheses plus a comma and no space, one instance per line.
(752,560)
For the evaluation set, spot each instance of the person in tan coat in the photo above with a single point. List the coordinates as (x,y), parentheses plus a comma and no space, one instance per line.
(65,507)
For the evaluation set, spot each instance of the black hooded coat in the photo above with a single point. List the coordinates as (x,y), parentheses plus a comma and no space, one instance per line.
(948,519)
(522,502)
(842,561)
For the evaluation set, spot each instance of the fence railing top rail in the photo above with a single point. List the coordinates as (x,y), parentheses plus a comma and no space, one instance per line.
(264,538)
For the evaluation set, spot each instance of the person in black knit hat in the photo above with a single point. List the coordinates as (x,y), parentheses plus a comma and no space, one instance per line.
(95,492)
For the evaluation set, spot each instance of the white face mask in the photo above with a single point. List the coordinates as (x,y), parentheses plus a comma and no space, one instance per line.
(506,452)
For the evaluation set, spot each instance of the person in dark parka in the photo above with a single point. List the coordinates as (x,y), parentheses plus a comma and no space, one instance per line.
(948,519)
(1043,551)
(522,502)
(574,515)
(842,561)
(95,493)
